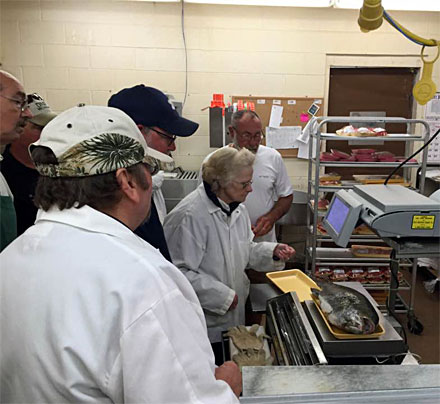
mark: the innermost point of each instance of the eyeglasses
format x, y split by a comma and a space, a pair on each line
170, 138
249, 136
244, 184
152, 165
20, 104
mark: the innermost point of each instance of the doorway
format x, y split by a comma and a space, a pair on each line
386, 90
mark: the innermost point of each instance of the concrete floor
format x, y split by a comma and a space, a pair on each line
427, 310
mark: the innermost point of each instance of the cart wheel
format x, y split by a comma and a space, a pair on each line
415, 326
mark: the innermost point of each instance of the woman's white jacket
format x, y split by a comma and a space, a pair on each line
213, 250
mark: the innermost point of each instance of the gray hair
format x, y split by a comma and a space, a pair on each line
225, 165
237, 116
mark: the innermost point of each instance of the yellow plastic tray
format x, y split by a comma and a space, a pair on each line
293, 280
341, 334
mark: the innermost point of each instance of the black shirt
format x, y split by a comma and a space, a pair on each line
22, 180
152, 232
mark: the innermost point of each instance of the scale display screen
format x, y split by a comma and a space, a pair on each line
337, 215
341, 217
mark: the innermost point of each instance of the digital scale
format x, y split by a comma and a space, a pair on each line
405, 220
391, 211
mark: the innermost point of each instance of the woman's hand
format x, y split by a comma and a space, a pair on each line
283, 251
234, 303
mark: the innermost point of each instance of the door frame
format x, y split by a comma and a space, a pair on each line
378, 61
371, 60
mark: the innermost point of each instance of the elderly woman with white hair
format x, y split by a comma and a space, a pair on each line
210, 240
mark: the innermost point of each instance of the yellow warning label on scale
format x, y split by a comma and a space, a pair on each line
423, 222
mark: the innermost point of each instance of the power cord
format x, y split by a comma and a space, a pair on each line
412, 155
182, 2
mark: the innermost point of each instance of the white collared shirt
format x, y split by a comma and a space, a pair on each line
92, 313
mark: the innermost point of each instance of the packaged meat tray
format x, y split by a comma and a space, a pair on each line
326, 156
322, 204
351, 158
368, 251
363, 151
361, 132
387, 276
339, 275
366, 158
330, 179
321, 229
378, 179
323, 273
357, 274
375, 275
340, 154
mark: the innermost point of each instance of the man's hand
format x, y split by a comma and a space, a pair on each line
283, 251
263, 225
230, 373
234, 303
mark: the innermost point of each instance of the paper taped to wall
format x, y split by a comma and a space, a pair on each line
284, 137
276, 116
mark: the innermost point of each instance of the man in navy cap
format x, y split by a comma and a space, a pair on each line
159, 122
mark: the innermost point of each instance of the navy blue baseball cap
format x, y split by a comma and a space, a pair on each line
150, 107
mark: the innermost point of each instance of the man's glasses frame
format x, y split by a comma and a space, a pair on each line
22, 105
170, 138
248, 136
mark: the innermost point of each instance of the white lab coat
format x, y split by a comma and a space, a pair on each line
213, 250
92, 313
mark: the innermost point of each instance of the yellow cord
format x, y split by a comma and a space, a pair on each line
426, 42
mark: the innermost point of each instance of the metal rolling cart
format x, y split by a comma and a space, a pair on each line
331, 256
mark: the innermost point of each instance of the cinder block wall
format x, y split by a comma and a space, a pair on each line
83, 51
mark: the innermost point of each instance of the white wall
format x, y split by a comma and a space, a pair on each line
83, 51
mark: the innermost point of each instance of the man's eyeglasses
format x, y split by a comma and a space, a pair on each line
170, 138
20, 104
244, 184
249, 136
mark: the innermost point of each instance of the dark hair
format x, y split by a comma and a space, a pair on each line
98, 191
237, 116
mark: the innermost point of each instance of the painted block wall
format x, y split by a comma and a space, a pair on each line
83, 51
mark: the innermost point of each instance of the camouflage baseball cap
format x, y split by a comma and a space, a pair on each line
91, 140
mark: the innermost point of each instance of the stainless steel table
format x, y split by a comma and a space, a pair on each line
353, 383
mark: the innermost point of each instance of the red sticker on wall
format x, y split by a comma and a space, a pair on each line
304, 118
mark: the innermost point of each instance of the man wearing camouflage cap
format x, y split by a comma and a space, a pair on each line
90, 311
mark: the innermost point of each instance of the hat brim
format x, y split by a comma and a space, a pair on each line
180, 127
159, 156
43, 119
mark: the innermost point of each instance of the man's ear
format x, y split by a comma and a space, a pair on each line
127, 184
144, 130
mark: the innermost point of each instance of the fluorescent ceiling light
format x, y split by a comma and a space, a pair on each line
280, 3
410, 5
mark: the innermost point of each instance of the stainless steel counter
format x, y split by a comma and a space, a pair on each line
269, 384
